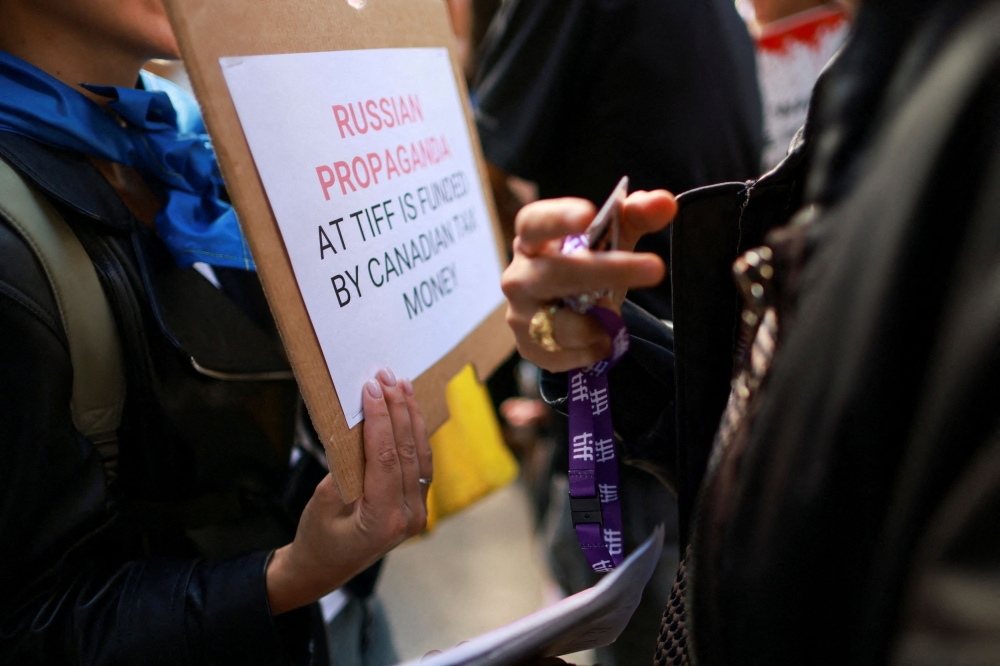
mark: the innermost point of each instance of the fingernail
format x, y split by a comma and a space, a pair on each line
407, 386
385, 374
373, 388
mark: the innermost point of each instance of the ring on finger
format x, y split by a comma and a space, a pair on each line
425, 481
542, 328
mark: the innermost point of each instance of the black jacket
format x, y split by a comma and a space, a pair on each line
575, 94
861, 524
164, 563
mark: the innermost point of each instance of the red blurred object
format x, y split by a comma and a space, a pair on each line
791, 53
808, 27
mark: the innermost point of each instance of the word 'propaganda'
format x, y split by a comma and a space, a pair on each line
363, 170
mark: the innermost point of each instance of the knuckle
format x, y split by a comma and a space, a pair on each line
419, 522
387, 458
513, 280
523, 217
508, 284
407, 449
397, 523
514, 318
325, 494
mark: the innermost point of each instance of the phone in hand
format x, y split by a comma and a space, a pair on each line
604, 233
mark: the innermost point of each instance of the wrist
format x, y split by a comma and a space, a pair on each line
274, 583
292, 582
288, 584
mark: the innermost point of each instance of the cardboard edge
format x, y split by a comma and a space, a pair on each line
486, 347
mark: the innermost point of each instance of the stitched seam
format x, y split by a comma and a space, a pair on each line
54, 286
41, 260
39, 180
120, 405
33, 308
206, 253
159, 163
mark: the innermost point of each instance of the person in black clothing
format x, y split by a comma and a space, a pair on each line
193, 541
829, 421
575, 94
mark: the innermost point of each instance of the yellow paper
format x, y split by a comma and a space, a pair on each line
470, 456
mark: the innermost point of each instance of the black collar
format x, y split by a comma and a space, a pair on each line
68, 178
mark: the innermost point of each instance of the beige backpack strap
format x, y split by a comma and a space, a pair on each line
94, 347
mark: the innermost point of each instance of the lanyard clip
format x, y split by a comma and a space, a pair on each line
586, 510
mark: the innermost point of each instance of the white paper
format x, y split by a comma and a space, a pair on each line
590, 619
332, 604
412, 267
788, 63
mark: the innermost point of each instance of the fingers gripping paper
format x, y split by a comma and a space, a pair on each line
370, 173
345, 139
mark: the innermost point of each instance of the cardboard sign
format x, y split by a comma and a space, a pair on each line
375, 188
373, 232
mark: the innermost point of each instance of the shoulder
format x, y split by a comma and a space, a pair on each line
24, 287
78, 190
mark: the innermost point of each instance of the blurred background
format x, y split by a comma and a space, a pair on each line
569, 95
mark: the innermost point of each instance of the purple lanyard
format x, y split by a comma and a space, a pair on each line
593, 465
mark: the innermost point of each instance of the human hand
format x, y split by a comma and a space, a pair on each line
540, 275
335, 541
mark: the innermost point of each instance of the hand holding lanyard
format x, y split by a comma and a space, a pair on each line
593, 465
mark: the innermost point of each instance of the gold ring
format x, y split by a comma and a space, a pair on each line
541, 328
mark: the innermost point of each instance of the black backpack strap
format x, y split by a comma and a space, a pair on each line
98, 394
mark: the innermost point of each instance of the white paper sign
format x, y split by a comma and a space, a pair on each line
366, 160
589, 619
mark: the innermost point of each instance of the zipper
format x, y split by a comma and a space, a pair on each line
277, 375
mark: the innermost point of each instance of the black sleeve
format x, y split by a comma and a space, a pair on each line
68, 593
642, 395
528, 56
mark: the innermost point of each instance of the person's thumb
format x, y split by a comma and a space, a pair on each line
645, 213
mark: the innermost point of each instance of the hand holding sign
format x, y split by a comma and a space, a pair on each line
345, 137
335, 541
